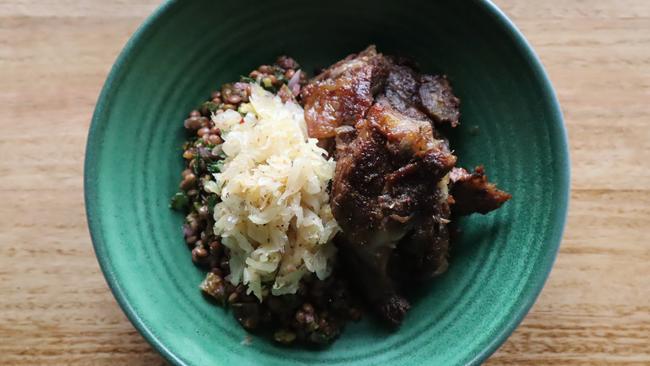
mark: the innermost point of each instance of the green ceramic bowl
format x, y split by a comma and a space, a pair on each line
511, 123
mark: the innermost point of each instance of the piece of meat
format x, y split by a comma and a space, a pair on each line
344, 136
472, 193
422, 96
410, 135
377, 116
402, 90
342, 94
438, 100
383, 189
424, 252
371, 278
369, 235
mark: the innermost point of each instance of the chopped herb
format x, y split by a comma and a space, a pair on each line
211, 202
271, 89
247, 79
196, 165
280, 76
210, 106
215, 167
197, 206
179, 201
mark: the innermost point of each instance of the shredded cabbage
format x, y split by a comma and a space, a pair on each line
274, 213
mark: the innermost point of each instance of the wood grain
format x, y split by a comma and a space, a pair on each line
55, 307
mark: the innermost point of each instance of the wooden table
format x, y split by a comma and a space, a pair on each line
56, 309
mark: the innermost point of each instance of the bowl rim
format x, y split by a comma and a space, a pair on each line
94, 142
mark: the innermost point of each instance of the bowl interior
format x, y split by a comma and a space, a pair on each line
510, 123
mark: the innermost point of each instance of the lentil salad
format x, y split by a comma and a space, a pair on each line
395, 195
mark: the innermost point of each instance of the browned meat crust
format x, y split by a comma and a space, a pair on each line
383, 190
402, 91
419, 96
438, 100
342, 94
472, 192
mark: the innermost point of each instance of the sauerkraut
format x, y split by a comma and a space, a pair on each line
274, 215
